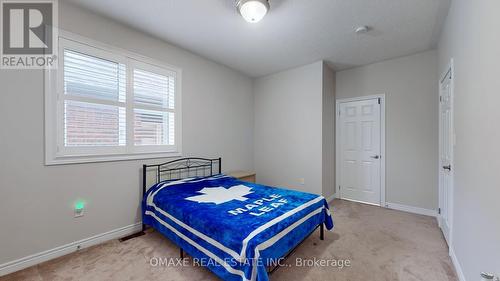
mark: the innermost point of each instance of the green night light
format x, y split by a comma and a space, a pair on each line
80, 205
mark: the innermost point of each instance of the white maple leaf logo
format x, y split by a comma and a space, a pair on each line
219, 195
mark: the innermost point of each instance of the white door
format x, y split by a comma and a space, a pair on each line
446, 142
360, 150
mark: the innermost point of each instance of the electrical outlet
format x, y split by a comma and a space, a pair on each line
302, 181
79, 212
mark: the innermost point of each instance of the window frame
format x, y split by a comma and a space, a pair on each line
55, 151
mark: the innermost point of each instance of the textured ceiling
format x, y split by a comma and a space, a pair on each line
294, 32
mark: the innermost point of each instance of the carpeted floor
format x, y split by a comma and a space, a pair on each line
380, 244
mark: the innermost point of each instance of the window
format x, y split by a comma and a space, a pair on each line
103, 104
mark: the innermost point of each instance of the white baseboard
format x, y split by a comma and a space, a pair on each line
28, 261
330, 199
411, 209
458, 268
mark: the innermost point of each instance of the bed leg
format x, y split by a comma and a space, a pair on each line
143, 227
182, 253
321, 232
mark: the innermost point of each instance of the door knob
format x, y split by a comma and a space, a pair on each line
447, 167
375, 156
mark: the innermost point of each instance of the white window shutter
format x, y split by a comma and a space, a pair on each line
154, 96
90, 84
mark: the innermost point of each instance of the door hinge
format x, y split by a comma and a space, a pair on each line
339, 187
439, 211
378, 100
440, 98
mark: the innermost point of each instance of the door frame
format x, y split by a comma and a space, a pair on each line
450, 69
382, 144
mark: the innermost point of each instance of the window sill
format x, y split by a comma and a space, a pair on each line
63, 160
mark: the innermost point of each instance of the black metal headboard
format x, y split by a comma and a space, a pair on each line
182, 168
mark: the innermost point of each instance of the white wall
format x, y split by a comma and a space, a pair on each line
328, 133
288, 124
36, 201
294, 129
410, 84
471, 37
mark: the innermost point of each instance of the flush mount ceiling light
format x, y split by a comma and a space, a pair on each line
253, 10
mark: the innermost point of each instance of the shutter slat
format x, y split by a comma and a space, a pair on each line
153, 89
93, 77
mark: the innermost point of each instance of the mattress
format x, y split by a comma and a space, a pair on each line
234, 228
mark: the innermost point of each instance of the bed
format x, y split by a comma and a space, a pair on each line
238, 230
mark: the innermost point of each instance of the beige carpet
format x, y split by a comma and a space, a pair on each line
380, 244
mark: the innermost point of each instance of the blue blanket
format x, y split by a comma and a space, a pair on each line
234, 228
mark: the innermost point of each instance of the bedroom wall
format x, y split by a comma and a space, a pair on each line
217, 121
289, 139
471, 39
287, 128
328, 134
410, 86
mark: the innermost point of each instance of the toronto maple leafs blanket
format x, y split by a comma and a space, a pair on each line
234, 228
